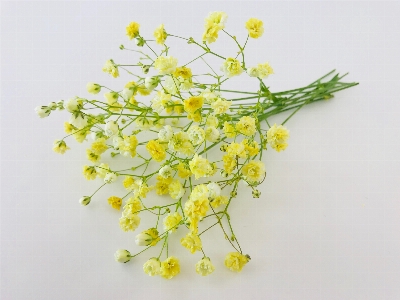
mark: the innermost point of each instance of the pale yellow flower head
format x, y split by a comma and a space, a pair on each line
60, 146
170, 267
110, 68
132, 30
115, 202
204, 267
277, 137
235, 261
200, 166
152, 267
156, 150
214, 22
192, 242
172, 221
231, 67
176, 189
89, 172
165, 64
254, 171
160, 35
246, 125
255, 28
193, 103
220, 106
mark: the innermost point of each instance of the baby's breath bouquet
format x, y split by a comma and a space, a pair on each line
184, 136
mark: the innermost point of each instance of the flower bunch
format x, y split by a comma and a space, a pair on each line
183, 136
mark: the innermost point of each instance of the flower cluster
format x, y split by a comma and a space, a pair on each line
192, 142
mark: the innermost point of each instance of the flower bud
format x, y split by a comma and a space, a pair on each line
256, 193
52, 105
151, 82
140, 41
126, 93
145, 69
147, 237
72, 104
165, 171
253, 72
85, 200
110, 177
42, 111
93, 88
122, 256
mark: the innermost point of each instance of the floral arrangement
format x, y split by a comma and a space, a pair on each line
193, 142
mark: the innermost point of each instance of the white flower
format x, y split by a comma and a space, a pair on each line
159, 101
72, 104
85, 200
151, 82
212, 134
122, 256
172, 85
253, 72
42, 111
117, 141
93, 88
126, 93
165, 134
196, 135
152, 266
165, 64
214, 190
111, 128
110, 177
165, 171
52, 105
210, 97
212, 121
78, 120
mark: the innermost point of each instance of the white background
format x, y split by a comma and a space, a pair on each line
328, 223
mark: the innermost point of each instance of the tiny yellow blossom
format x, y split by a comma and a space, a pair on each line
132, 30
178, 109
128, 183
236, 149
152, 267
80, 135
165, 64
255, 28
111, 68
229, 163
229, 130
162, 185
246, 125
148, 237
92, 156
254, 171
99, 146
195, 117
183, 72
60, 147
192, 242
172, 221
183, 172
252, 148
128, 145
69, 128
204, 267
218, 201
156, 150
115, 202
220, 106
176, 189
277, 137
89, 172
200, 166
231, 67
180, 142
170, 267
235, 261
214, 22
160, 35
193, 103
264, 70
129, 222
132, 206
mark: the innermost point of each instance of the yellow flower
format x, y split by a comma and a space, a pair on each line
200, 166
183, 72
69, 128
99, 146
143, 90
165, 64
178, 109
246, 125
255, 28
112, 101
141, 188
148, 237
204, 267
235, 261
128, 183
214, 22
197, 205
193, 103
170, 267
128, 145
236, 149
60, 147
132, 206
162, 185
183, 172
220, 106
92, 156
129, 222
115, 202
111, 68
132, 30
277, 137
80, 135
176, 189
180, 142
254, 171
218, 201
264, 70
195, 117
172, 221
152, 266
192, 242
229, 163
229, 130
89, 172
252, 148
156, 150
160, 35
102, 170
231, 67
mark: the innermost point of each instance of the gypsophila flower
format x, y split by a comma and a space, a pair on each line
160, 34
235, 261
132, 30
255, 28
85, 200
110, 68
165, 171
122, 256
170, 267
192, 242
231, 67
152, 267
165, 64
93, 88
110, 177
204, 267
